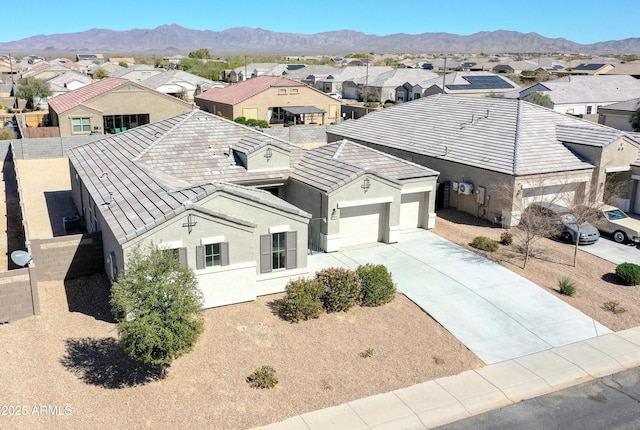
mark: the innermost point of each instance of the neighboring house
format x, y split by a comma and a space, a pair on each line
631, 68
516, 67
237, 205
478, 144
129, 61
618, 115
181, 84
344, 81
45, 71
398, 85
592, 69
94, 58
277, 100
583, 95
111, 105
137, 73
109, 68
474, 84
68, 81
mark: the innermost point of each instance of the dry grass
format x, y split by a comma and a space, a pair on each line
594, 277
71, 358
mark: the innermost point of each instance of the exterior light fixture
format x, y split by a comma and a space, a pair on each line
268, 154
334, 214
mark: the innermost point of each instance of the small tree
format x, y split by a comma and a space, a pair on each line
100, 74
540, 99
33, 90
158, 307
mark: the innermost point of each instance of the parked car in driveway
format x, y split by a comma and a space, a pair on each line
618, 224
567, 223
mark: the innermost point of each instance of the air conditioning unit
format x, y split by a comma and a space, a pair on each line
465, 188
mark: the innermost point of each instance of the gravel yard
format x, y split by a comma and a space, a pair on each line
68, 361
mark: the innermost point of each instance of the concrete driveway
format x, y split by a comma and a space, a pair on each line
496, 313
606, 248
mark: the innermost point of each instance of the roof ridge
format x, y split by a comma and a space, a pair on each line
187, 115
517, 142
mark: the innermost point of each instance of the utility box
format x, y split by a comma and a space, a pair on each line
481, 195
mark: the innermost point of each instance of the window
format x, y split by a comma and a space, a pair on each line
179, 254
212, 254
282, 91
294, 91
588, 110
81, 125
278, 251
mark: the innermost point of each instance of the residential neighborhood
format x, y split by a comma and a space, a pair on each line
254, 179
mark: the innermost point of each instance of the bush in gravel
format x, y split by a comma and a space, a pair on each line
506, 238
264, 377
613, 307
377, 285
303, 300
567, 286
341, 288
485, 244
628, 273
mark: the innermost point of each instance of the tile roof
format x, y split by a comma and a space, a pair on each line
244, 90
592, 88
65, 102
502, 135
175, 76
145, 176
334, 165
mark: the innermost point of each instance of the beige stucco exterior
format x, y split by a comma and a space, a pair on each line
129, 99
261, 105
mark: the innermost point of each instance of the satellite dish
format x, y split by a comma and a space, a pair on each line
21, 258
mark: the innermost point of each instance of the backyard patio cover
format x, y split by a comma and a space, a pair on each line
299, 110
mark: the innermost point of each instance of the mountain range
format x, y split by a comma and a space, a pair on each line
167, 39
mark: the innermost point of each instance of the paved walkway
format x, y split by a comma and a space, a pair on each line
533, 342
496, 313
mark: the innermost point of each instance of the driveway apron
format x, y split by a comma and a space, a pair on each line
494, 312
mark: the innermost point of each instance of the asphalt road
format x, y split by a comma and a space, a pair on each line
611, 403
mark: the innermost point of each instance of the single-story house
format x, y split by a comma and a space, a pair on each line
238, 206
479, 143
618, 115
111, 105
275, 99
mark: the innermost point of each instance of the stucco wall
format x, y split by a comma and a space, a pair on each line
18, 294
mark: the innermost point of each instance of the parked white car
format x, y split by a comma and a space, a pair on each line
618, 224
335, 96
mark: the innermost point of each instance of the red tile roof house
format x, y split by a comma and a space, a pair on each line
275, 99
111, 105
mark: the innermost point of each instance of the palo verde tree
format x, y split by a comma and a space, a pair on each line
157, 306
33, 90
540, 99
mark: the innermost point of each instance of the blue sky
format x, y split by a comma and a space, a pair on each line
587, 21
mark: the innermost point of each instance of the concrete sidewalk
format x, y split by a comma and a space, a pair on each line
444, 400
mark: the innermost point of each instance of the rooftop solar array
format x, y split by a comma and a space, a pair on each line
481, 83
589, 67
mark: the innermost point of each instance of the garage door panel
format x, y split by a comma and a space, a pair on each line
411, 210
361, 224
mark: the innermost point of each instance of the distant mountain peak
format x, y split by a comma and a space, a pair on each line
251, 41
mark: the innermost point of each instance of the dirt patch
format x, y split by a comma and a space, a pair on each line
70, 360
594, 277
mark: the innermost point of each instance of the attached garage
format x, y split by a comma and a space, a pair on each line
361, 224
411, 210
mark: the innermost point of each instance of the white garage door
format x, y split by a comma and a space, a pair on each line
361, 224
411, 207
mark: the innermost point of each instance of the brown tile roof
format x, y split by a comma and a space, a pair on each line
65, 102
242, 91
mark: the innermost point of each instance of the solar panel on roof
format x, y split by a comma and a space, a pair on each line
481, 83
589, 67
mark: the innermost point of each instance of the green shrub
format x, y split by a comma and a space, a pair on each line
303, 300
257, 123
506, 238
567, 286
628, 273
485, 244
240, 120
264, 377
377, 287
341, 288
